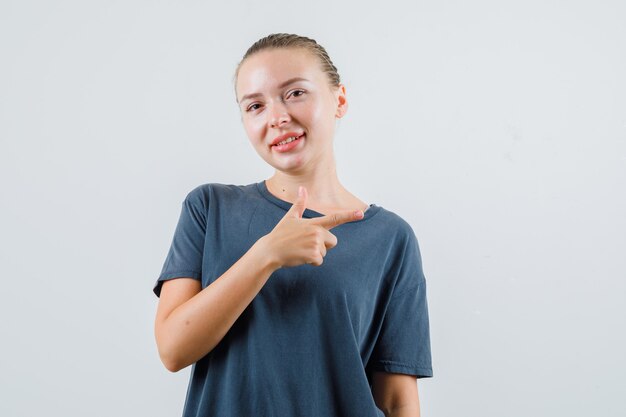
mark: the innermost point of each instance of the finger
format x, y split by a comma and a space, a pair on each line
298, 207
333, 220
330, 240
318, 261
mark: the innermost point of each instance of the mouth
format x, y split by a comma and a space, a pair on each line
288, 143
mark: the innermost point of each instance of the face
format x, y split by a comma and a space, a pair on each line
284, 93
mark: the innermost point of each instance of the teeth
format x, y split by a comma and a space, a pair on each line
291, 139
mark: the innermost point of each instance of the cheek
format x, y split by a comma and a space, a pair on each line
321, 116
254, 128
324, 109
308, 115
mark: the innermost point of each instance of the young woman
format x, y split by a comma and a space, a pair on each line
291, 296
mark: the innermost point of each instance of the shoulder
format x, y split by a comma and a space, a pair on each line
404, 257
400, 239
198, 198
211, 192
397, 230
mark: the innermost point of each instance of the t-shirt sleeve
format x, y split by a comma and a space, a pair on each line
403, 344
184, 258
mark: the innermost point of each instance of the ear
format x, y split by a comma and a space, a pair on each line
341, 100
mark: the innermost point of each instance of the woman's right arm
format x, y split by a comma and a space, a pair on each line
191, 321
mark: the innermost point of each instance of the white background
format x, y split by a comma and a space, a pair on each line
496, 129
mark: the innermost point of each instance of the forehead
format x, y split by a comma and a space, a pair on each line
267, 69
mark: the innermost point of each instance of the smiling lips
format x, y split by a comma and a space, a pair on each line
286, 136
287, 142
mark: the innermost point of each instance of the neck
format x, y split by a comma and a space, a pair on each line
323, 187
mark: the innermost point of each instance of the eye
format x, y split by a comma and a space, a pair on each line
251, 107
295, 93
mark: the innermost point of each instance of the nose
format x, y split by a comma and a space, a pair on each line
278, 115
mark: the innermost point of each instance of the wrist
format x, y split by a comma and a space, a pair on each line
265, 255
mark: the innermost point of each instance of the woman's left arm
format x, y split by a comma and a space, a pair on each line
396, 394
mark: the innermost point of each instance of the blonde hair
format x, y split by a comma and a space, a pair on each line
288, 40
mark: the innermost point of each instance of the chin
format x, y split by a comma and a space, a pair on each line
292, 165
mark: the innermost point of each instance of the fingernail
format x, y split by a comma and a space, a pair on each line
358, 213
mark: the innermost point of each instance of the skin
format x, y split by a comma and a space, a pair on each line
190, 320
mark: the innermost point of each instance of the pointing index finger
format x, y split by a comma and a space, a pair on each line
333, 220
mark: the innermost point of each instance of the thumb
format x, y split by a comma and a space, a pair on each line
299, 205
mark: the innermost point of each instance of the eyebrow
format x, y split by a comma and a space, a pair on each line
284, 84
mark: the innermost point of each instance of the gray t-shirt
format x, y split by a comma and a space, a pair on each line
308, 342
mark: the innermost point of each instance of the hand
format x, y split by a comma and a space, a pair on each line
295, 240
